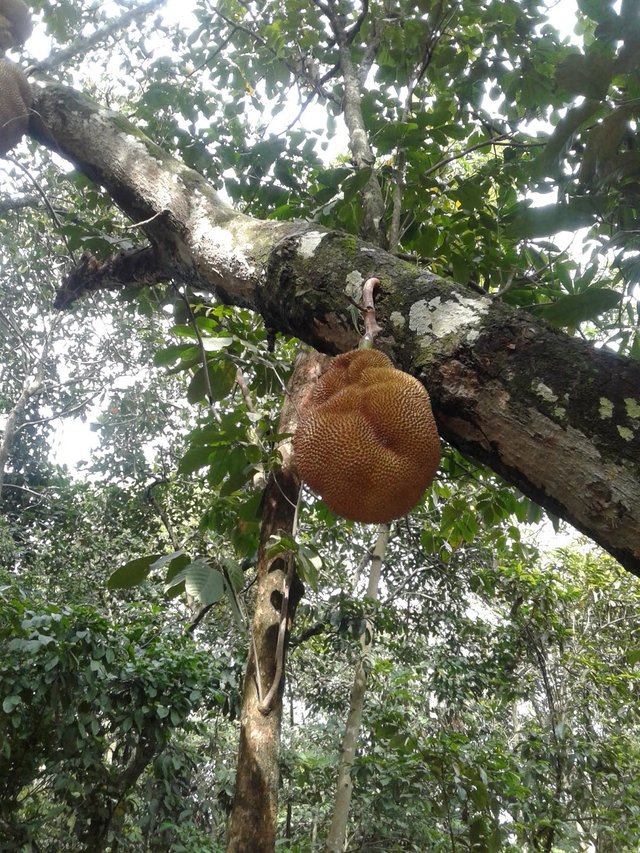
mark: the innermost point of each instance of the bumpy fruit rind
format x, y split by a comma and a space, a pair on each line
366, 439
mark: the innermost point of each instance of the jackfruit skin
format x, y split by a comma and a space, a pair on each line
366, 439
15, 102
15, 23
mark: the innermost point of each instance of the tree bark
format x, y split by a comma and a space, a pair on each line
554, 416
373, 224
253, 820
31, 388
344, 786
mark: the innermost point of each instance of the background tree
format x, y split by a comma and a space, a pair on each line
438, 103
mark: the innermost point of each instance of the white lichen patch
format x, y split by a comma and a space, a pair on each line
420, 317
478, 305
353, 287
632, 407
560, 412
606, 408
544, 392
397, 320
440, 317
217, 248
222, 237
309, 242
625, 433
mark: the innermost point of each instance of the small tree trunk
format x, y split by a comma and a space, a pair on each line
252, 824
30, 389
338, 829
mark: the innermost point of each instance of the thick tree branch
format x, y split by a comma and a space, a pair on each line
344, 787
134, 268
373, 220
554, 416
373, 225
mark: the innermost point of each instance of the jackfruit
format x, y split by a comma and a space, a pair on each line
366, 439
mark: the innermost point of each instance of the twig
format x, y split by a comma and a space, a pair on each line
62, 57
47, 203
149, 491
446, 160
199, 617
203, 352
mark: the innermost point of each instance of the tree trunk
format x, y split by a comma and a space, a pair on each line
344, 787
30, 389
253, 820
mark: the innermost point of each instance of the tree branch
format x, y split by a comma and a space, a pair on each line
554, 416
62, 57
136, 267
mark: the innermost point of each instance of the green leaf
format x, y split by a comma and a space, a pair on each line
235, 575
166, 558
232, 598
195, 458
531, 222
308, 560
588, 75
249, 510
52, 663
354, 184
132, 573
203, 582
216, 344
238, 465
578, 307
177, 565
632, 656
280, 544
185, 331
309, 564
598, 10
470, 196
222, 377
460, 268
172, 353
10, 702
174, 585
332, 178
427, 240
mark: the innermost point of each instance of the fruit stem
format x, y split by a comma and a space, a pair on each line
371, 327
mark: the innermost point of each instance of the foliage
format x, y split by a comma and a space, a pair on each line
501, 714
450, 106
93, 727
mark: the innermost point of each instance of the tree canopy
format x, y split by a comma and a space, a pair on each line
198, 192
